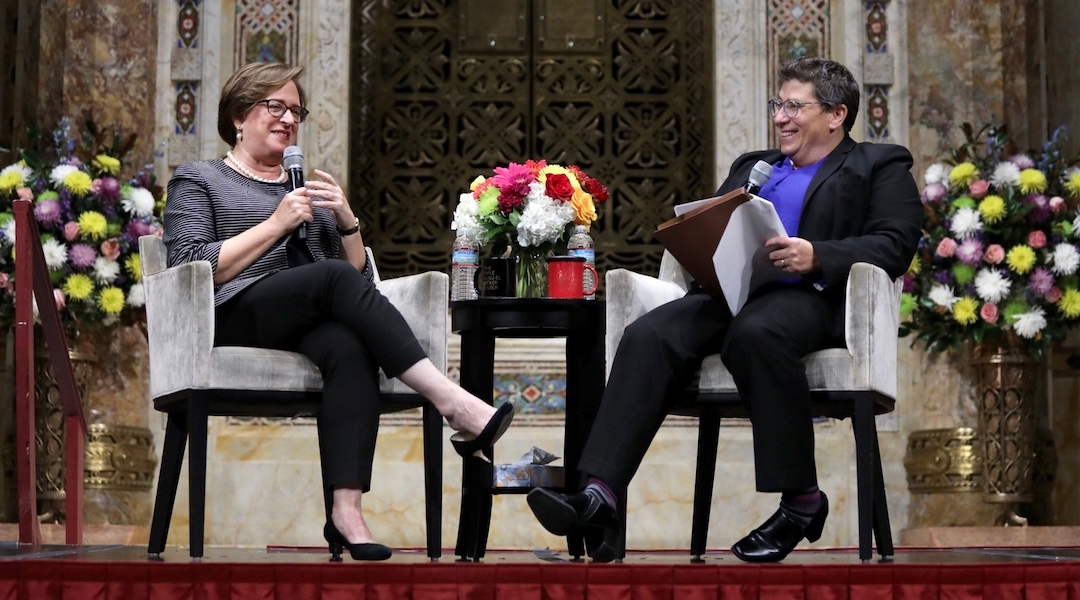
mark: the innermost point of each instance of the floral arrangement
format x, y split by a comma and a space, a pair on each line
999, 258
90, 221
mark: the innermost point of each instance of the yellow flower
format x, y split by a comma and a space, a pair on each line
1020, 259
1032, 181
111, 300
107, 164
963, 174
78, 182
1069, 304
916, 265
475, 182
78, 287
559, 170
9, 180
134, 267
965, 311
584, 208
1072, 183
992, 209
93, 225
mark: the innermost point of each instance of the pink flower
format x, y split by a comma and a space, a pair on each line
1037, 239
4, 283
1053, 295
71, 230
934, 192
994, 254
25, 193
108, 188
989, 312
58, 296
979, 188
1056, 204
110, 248
946, 248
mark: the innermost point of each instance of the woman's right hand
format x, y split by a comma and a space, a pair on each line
294, 209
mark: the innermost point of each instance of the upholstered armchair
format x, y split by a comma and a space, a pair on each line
190, 379
858, 381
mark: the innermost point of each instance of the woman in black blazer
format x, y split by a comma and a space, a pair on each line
848, 202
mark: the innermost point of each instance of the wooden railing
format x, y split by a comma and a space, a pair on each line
32, 279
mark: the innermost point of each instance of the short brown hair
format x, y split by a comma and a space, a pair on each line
249, 84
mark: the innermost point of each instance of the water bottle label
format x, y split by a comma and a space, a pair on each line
466, 257
589, 254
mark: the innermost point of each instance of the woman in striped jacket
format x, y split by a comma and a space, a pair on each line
310, 293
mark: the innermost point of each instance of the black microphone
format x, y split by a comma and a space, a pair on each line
759, 175
293, 161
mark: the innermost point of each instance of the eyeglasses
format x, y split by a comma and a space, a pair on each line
277, 109
791, 107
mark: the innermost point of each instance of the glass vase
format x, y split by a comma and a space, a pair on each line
531, 272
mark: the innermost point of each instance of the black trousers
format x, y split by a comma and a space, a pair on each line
763, 348
332, 314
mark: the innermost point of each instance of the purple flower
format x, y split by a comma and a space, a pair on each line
970, 251
1041, 281
909, 283
82, 256
136, 229
47, 212
1040, 209
943, 276
1022, 161
107, 188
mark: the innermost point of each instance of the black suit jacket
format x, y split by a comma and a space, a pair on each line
861, 206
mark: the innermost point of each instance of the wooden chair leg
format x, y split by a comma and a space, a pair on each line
197, 425
705, 475
433, 456
172, 459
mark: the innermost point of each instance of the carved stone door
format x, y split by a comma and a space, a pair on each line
445, 90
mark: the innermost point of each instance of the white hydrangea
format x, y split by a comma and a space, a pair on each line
544, 219
138, 201
942, 295
106, 270
25, 173
965, 223
937, 173
60, 173
1029, 324
991, 286
1064, 259
1006, 175
467, 213
8, 232
56, 254
136, 296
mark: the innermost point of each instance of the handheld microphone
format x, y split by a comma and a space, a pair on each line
759, 175
293, 161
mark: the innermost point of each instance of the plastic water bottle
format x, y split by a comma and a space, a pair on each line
581, 244
463, 264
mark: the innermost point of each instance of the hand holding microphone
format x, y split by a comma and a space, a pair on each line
293, 161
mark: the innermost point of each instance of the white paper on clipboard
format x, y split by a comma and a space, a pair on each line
741, 260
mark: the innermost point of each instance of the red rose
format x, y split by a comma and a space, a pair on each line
558, 187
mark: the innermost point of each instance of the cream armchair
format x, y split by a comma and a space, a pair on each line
858, 381
190, 379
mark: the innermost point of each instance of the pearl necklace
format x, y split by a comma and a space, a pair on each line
246, 173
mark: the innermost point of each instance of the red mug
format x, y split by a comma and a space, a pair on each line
566, 277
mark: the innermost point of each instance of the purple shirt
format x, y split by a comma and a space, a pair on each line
786, 189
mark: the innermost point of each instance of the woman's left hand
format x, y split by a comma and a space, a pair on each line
792, 254
326, 193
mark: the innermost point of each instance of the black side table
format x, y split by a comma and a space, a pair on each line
480, 322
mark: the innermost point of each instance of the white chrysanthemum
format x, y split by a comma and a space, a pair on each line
60, 172
543, 219
136, 296
1006, 175
1076, 226
138, 201
56, 254
942, 295
991, 286
25, 173
1029, 324
1064, 259
8, 232
965, 223
937, 173
105, 270
466, 214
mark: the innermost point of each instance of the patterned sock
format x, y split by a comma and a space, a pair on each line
806, 502
601, 487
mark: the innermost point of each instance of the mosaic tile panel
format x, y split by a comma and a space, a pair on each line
187, 24
267, 31
877, 81
795, 28
187, 95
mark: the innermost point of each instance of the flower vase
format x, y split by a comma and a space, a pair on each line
531, 272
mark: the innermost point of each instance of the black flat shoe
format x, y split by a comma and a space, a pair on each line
778, 536
366, 551
494, 430
561, 514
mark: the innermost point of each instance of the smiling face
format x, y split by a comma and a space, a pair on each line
814, 132
265, 136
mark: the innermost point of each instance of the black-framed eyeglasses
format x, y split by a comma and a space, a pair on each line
791, 107
277, 109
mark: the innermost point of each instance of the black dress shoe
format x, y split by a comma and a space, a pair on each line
779, 535
582, 511
496, 426
365, 551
